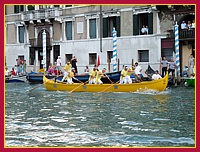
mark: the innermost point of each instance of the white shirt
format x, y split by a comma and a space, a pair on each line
138, 69
7, 72
58, 62
156, 76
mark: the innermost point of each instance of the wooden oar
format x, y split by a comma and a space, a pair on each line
43, 83
78, 86
109, 86
108, 78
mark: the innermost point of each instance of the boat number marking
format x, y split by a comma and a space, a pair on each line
55, 85
84, 87
115, 87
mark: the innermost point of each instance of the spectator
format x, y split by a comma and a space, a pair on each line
73, 61
156, 75
164, 65
87, 70
58, 63
183, 25
185, 71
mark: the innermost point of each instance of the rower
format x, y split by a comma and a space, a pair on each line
100, 74
67, 69
128, 74
93, 74
123, 75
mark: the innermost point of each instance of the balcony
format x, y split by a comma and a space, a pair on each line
183, 34
37, 42
41, 14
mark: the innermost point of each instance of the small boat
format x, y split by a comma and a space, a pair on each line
158, 85
11, 79
190, 82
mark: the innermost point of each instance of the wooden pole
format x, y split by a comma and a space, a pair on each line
118, 63
132, 62
108, 65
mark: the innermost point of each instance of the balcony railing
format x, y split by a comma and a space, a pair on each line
183, 34
37, 42
41, 14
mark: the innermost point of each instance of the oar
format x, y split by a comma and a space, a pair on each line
43, 83
108, 78
109, 86
77, 80
78, 86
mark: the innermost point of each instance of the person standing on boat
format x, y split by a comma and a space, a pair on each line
164, 65
172, 66
128, 74
156, 75
73, 61
123, 75
138, 70
58, 63
67, 69
93, 74
100, 74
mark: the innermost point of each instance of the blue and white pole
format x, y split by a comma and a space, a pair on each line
44, 49
177, 50
114, 58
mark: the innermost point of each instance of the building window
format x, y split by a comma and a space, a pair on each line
21, 34
92, 28
18, 8
56, 5
31, 7
143, 55
68, 30
109, 23
109, 56
31, 56
92, 58
56, 52
68, 58
139, 20
68, 5
167, 52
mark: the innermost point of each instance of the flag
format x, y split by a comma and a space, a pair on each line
98, 61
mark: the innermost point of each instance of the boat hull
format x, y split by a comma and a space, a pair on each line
14, 79
190, 82
158, 85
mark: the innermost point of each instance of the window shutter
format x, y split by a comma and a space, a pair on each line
105, 27
16, 8
135, 25
118, 26
69, 30
92, 28
150, 23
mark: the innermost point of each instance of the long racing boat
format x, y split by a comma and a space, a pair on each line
158, 85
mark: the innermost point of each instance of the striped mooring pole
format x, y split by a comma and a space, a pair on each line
44, 49
114, 57
177, 51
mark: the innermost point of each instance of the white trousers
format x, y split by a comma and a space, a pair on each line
92, 81
65, 75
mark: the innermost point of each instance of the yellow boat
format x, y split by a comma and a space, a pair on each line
158, 85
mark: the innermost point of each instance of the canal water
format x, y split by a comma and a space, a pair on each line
45, 119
